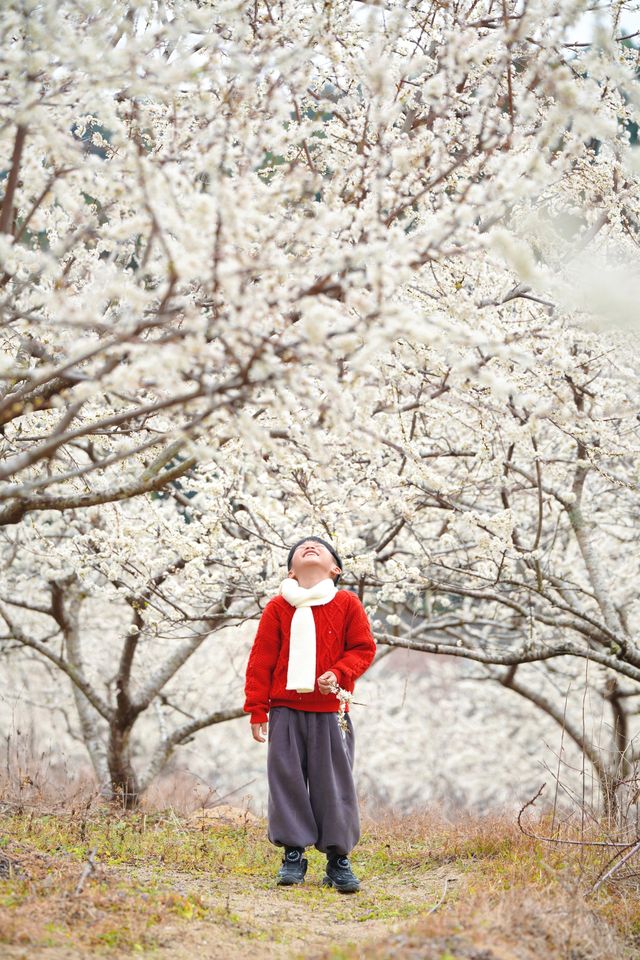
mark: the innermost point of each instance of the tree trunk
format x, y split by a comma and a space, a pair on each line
124, 780
621, 764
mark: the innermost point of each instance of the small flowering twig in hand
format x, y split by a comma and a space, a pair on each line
344, 697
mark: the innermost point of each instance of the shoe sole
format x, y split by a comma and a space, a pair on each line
289, 881
345, 888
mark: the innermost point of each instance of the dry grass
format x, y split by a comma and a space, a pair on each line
524, 899
29, 782
53, 896
513, 897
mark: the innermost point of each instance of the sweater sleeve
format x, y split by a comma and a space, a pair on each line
261, 663
359, 648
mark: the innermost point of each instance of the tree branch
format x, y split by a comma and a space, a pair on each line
14, 512
166, 748
6, 211
72, 672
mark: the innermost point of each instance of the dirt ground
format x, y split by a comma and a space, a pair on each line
246, 920
204, 888
288, 926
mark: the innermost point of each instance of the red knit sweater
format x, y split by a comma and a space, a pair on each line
344, 644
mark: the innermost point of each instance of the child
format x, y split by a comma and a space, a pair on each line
310, 638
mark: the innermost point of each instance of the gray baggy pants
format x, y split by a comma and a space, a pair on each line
312, 796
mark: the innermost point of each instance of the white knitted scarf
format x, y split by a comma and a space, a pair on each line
301, 674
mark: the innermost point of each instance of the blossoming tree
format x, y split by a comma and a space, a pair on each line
318, 264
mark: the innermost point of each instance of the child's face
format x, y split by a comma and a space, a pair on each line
312, 556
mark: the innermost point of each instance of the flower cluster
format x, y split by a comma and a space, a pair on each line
344, 697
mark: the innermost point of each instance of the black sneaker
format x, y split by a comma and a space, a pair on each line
340, 875
293, 869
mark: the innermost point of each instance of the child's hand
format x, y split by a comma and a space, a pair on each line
259, 731
327, 682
